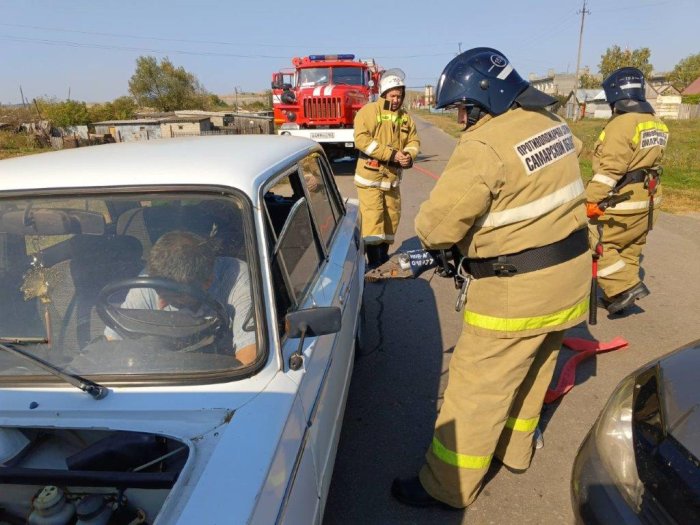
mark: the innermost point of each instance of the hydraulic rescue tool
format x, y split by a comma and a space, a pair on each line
606, 203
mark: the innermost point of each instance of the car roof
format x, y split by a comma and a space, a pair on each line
241, 161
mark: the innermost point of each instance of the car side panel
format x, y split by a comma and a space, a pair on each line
348, 261
290, 494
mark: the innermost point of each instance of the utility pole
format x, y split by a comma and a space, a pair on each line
459, 45
583, 12
236, 89
21, 93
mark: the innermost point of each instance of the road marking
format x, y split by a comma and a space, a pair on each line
426, 172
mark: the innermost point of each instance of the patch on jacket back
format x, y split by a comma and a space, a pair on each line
546, 147
653, 137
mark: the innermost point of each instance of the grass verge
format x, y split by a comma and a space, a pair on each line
18, 144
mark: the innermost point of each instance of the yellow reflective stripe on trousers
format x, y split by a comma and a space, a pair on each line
459, 460
518, 324
644, 126
522, 425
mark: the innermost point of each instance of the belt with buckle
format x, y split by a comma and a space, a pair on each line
532, 259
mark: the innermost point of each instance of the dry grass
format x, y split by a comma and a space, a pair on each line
681, 178
18, 144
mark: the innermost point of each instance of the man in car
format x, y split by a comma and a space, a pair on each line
188, 258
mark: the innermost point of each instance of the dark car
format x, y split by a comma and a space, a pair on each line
640, 463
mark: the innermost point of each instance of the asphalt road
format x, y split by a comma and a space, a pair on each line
401, 372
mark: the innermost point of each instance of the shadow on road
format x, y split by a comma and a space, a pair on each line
391, 405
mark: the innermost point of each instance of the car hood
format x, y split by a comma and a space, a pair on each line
681, 396
216, 423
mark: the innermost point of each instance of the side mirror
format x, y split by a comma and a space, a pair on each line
312, 322
277, 81
370, 83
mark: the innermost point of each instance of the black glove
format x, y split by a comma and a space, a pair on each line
444, 267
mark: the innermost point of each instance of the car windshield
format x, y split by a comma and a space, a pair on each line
314, 76
353, 76
150, 284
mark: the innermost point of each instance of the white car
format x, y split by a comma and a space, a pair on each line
132, 394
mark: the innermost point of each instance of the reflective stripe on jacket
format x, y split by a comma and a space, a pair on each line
630, 141
513, 183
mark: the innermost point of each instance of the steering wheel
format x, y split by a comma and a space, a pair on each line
178, 326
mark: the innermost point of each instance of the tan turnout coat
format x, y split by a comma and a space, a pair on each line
513, 183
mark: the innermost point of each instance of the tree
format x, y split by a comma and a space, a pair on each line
121, 108
588, 81
64, 114
615, 58
211, 102
164, 86
685, 72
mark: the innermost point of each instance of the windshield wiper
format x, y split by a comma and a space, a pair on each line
9, 345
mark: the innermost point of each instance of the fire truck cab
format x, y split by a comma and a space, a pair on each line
320, 96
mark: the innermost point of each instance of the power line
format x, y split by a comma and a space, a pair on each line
113, 47
208, 42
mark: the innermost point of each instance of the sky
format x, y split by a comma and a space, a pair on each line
88, 49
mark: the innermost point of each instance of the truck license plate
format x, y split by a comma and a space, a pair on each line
322, 135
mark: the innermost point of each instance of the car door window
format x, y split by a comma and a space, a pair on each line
295, 252
319, 197
296, 249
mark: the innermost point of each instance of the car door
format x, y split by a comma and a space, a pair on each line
329, 367
296, 260
315, 264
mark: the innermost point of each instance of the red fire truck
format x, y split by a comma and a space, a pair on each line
319, 97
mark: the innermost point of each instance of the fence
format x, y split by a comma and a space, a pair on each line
75, 141
252, 125
688, 111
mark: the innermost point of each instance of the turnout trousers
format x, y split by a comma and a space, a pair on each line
381, 211
624, 236
491, 407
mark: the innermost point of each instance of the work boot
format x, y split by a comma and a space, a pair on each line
628, 297
383, 253
539, 438
410, 491
602, 302
373, 256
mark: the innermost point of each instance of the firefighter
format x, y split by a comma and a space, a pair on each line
386, 138
511, 199
626, 158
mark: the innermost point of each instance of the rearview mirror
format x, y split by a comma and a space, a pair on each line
313, 322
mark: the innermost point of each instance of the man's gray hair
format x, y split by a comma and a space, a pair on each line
183, 257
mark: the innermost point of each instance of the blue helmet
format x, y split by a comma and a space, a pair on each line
624, 91
482, 77
626, 83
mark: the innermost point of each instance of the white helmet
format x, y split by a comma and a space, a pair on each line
391, 78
